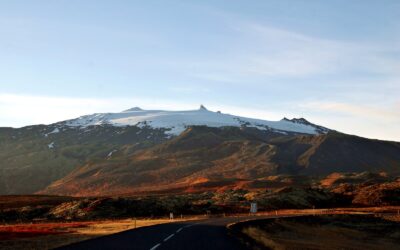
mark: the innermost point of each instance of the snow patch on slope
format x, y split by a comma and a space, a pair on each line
111, 153
55, 131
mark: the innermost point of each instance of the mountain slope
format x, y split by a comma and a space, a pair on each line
33, 157
211, 158
182, 151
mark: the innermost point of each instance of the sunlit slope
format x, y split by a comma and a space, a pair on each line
204, 158
32, 157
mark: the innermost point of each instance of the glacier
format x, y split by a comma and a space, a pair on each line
175, 122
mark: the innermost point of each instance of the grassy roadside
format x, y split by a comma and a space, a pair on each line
50, 235
47, 235
327, 231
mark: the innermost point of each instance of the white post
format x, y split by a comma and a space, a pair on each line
253, 208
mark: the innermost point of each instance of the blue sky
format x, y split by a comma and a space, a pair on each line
335, 63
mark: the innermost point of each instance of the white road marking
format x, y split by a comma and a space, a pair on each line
155, 246
169, 237
172, 235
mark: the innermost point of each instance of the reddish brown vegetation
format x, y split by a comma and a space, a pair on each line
8, 232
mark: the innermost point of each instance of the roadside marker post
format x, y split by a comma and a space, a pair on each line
253, 208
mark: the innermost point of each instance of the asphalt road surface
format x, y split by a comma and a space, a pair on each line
206, 234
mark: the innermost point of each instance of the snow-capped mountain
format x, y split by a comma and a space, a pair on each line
145, 151
175, 122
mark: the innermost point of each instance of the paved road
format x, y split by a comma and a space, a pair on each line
206, 234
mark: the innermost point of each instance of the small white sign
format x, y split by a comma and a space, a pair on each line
253, 207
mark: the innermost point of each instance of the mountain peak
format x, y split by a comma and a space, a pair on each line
302, 121
203, 108
133, 109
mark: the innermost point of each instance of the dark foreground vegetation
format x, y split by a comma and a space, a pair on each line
351, 193
321, 232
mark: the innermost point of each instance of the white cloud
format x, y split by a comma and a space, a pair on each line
264, 51
379, 121
391, 114
18, 110
189, 89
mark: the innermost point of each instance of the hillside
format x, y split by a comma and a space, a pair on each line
139, 151
33, 157
204, 158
